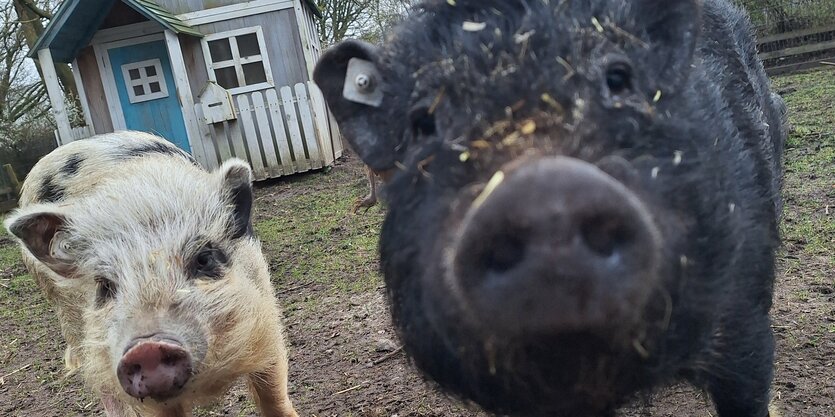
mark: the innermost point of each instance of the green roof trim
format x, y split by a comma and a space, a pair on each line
164, 17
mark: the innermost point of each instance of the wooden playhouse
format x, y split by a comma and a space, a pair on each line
219, 78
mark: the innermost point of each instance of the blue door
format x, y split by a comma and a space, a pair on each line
147, 92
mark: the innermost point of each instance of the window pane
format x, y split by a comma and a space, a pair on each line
220, 50
134, 74
150, 71
138, 90
254, 73
227, 78
155, 88
248, 45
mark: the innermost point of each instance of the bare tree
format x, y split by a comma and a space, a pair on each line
387, 14
343, 19
363, 19
23, 97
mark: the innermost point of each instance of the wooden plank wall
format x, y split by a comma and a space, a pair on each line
324, 120
281, 36
186, 6
94, 90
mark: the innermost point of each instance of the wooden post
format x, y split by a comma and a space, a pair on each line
180, 72
56, 96
12, 177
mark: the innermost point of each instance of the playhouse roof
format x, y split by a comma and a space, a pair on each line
74, 24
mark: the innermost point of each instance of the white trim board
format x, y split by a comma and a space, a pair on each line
114, 107
56, 96
183, 87
219, 14
309, 60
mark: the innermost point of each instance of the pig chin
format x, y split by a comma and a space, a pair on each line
558, 247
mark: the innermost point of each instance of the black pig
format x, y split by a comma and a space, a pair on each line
583, 201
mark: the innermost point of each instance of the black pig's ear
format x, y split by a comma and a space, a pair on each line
673, 27
352, 85
237, 186
44, 235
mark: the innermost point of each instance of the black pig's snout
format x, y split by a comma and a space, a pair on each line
557, 246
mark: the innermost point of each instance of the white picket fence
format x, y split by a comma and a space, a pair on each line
76, 133
278, 131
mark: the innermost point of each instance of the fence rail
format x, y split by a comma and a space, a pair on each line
793, 34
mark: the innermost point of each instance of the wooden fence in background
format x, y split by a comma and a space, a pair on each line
9, 188
793, 34
798, 50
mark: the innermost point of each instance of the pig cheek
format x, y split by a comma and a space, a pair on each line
101, 348
441, 302
222, 313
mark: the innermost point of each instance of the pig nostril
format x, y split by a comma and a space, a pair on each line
171, 360
605, 235
504, 254
134, 369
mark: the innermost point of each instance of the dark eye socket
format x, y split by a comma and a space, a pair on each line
619, 78
105, 291
208, 262
423, 122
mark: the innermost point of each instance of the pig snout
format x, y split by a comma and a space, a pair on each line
156, 366
557, 246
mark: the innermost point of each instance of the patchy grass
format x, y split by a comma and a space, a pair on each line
312, 237
9, 255
325, 268
809, 191
803, 306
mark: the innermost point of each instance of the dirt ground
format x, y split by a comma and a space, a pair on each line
344, 353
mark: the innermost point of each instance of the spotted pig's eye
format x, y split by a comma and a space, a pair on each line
105, 291
208, 262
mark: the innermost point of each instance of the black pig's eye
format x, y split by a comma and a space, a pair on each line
619, 78
105, 291
208, 262
423, 122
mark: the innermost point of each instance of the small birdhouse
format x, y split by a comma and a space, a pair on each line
217, 104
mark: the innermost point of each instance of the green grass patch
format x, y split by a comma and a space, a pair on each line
809, 190
9, 256
312, 236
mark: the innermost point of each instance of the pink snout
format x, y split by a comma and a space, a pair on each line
154, 367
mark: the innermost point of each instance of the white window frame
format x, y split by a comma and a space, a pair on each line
145, 80
237, 61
